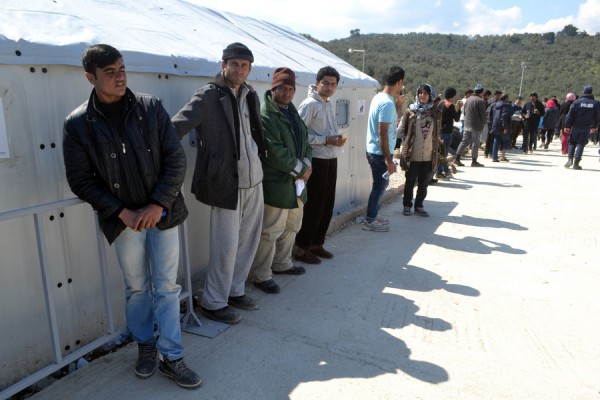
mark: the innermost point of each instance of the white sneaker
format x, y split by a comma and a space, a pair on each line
382, 221
375, 226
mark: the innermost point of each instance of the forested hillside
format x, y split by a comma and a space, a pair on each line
555, 63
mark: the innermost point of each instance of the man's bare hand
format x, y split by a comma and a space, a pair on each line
307, 174
391, 165
337, 140
142, 219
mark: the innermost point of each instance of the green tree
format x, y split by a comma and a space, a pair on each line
570, 30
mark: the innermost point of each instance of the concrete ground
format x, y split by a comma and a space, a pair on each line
494, 296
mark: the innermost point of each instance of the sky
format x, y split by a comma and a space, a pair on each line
330, 20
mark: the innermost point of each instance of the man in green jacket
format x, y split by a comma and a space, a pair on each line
286, 167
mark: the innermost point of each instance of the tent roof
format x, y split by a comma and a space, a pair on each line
174, 37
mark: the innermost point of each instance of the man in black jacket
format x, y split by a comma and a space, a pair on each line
122, 156
228, 177
532, 111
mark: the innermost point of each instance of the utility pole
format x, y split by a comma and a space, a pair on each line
363, 57
522, 73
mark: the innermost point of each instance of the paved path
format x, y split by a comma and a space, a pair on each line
495, 296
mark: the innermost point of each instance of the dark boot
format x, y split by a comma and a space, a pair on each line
569, 162
576, 165
457, 161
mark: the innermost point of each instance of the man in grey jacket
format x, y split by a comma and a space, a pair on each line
326, 142
228, 178
475, 118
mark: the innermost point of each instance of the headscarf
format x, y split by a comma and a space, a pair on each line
417, 106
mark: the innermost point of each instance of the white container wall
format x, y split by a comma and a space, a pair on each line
170, 50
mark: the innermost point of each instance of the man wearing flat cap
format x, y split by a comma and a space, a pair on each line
287, 167
583, 118
228, 178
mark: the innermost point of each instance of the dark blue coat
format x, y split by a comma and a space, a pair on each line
501, 117
584, 113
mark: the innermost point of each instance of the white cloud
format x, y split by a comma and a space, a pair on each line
480, 19
468, 17
587, 19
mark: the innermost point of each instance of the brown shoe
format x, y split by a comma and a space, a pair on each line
319, 251
307, 257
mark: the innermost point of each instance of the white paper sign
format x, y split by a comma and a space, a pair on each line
362, 106
3, 134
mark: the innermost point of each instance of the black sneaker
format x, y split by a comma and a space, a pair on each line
225, 315
180, 373
460, 164
146, 362
243, 302
291, 271
476, 164
268, 286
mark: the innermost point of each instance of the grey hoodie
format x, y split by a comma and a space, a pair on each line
319, 118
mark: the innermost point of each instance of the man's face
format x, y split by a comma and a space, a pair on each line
110, 82
283, 94
533, 99
327, 86
236, 70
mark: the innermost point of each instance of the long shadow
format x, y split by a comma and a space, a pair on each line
470, 244
505, 185
369, 291
510, 168
484, 222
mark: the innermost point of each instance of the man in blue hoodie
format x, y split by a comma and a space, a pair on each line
583, 118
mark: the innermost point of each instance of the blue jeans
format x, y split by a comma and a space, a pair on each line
501, 141
378, 168
149, 261
577, 140
447, 139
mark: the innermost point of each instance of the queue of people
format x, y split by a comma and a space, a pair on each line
267, 171
255, 165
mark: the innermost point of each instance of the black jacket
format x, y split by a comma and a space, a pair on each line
97, 171
533, 121
213, 113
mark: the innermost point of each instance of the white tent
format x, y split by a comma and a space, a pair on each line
174, 37
170, 47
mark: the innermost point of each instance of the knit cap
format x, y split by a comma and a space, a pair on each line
237, 50
587, 89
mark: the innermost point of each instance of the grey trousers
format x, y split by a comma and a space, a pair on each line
280, 226
469, 138
234, 236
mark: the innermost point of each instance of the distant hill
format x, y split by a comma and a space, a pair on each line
555, 63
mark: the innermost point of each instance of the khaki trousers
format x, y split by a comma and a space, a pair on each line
274, 253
